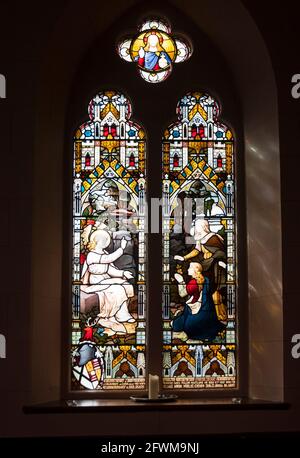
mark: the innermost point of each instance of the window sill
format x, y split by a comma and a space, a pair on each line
127, 405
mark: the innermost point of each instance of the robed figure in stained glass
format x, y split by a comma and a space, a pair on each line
101, 276
199, 318
155, 49
209, 246
152, 56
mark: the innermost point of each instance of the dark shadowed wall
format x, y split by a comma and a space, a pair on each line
37, 48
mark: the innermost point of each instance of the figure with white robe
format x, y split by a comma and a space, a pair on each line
101, 276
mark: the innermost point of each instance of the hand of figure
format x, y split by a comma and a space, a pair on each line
179, 258
179, 278
141, 53
128, 275
123, 243
163, 62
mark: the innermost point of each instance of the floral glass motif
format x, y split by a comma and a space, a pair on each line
199, 267
109, 253
155, 50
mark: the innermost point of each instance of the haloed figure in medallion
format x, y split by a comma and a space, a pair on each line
199, 319
152, 56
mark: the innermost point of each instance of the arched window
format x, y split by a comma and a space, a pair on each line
199, 267
108, 349
109, 256
256, 126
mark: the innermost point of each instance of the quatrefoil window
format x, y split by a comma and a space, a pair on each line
154, 50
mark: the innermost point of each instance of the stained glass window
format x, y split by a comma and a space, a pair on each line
154, 50
109, 252
199, 267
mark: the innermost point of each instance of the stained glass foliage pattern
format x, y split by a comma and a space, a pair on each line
109, 254
199, 267
154, 50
